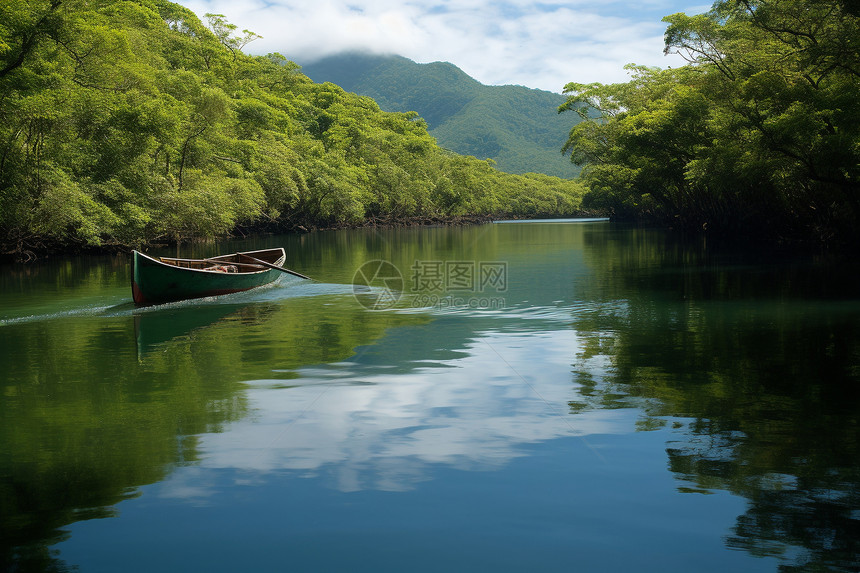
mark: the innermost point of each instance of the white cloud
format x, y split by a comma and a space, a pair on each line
537, 44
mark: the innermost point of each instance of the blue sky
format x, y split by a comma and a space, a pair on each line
537, 44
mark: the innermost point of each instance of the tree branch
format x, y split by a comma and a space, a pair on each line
28, 42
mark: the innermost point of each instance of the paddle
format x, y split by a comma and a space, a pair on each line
271, 266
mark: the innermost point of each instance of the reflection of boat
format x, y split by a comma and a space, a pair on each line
163, 279
152, 328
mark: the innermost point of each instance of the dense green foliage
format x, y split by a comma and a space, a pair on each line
515, 126
758, 135
128, 122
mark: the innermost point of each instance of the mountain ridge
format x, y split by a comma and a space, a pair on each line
517, 127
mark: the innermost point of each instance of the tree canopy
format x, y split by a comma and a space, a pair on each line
758, 136
129, 122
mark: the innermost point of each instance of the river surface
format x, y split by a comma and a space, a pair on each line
499, 398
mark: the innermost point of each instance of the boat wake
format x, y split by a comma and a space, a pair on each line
85, 311
119, 306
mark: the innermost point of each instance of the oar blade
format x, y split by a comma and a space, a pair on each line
271, 266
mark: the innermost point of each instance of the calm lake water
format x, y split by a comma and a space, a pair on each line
499, 398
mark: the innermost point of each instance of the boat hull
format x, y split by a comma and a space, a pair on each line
154, 282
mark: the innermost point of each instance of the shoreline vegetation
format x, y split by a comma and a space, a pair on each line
427, 220
756, 139
127, 124
264, 229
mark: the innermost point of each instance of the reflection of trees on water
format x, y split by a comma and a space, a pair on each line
809, 520
802, 510
757, 366
83, 429
92, 409
818, 520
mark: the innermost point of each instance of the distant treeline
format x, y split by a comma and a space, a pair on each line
758, 137
124, 123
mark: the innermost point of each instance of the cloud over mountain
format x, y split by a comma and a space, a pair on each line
538, 44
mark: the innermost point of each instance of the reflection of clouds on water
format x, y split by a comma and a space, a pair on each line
192, 483
368, 427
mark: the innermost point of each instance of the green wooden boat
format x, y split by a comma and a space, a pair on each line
164, 279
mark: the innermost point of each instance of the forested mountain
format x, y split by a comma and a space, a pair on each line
519, 128
758, 137
129, 122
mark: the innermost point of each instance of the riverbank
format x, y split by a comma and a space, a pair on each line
41, 248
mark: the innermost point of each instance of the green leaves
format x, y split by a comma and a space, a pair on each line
123, 123
758, 135
224, 30
24, 25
